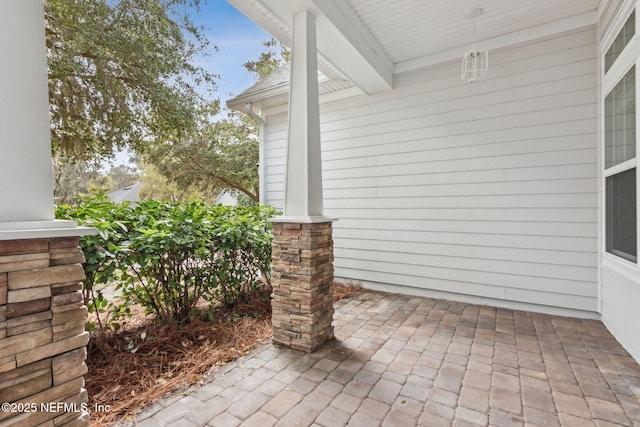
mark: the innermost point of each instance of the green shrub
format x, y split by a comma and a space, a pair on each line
168, 256
102, 251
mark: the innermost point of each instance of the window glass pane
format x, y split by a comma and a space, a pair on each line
623, 37
621, 215
620, 121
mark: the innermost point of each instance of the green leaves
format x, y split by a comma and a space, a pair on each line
270, 60
218, 155
169, 257
122, 74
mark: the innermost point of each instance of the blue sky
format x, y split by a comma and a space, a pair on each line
238, 40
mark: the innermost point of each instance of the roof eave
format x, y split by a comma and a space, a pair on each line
238, 102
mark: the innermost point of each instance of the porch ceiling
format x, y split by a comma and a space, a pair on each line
367, 42
411, 29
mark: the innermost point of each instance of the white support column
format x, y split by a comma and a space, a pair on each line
26, 182
302, 249
303, 191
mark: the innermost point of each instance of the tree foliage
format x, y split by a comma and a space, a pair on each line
122, 74
156, 186
77, 180
275, 56
218, 155
221, 154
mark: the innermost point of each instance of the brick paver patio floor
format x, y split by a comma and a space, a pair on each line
404, 361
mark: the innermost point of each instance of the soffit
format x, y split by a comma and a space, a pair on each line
410, 29
409, 34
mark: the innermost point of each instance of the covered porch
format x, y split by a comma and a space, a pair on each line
397, 359
411, 361
518, 191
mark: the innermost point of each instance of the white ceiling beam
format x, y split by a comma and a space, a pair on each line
347, 43
343, 39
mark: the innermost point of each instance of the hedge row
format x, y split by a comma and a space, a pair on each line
170, 257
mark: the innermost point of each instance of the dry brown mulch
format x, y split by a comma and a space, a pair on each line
344, 290
140, 363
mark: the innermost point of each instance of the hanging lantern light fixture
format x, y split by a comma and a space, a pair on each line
475, 63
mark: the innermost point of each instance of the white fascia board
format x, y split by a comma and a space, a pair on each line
540, 31
239, 102
329, 97
342, 38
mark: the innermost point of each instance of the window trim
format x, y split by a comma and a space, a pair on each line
620, 167
616, 23
628, 58
621, 67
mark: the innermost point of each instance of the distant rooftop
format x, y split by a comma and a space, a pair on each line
126, 194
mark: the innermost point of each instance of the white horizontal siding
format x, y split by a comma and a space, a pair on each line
486, 189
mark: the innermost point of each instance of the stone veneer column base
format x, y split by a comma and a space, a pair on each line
42, 336
302, 279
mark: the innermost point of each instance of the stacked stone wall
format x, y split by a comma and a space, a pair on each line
302, 279
42, 336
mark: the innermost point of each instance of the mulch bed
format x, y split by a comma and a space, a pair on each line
143, 361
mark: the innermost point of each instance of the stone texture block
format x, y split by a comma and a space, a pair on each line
9, 259
66, 255
52, 349
72, 316
28, 294
31, 318
28, 327
67, 330
8, 379
66, 299
27, 387
7, 363
67, 307
68, 366
62, 288
66, 258
64, 242
73, 420
24, 265
22, 382
72, 417
29, 341
8, 247
27, 307
45, 276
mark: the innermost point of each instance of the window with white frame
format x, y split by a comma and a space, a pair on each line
620, 147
